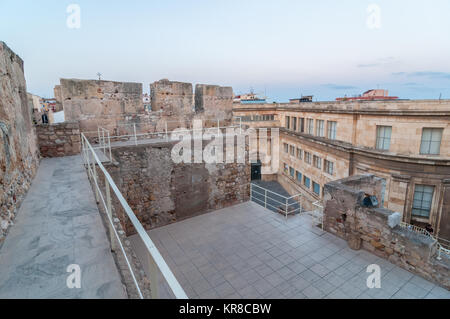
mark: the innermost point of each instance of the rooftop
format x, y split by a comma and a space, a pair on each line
247, 251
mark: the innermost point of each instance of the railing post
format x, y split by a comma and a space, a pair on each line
109, 145
135, 136
104, 143
94, 170
251, 192
286, 208
167, 134
109, 212
265, 199
153, 274
218, 127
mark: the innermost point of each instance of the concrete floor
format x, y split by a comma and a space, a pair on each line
58, 224
246, 251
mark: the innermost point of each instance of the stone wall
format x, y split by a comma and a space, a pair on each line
214, 102
19, 156
368, 228
161, 192
58, 140
100, 103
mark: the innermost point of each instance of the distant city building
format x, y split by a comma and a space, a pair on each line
147, 102
303, 99
249, 98
371, 95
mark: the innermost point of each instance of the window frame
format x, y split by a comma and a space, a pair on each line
421, 207
380, 141
422, 141
314, 184
320, 124
331, 130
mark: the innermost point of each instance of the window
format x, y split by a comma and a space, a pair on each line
384, 137
329, 167
286, 168
423, 197
307, 182
331, 126
288, 122
294, 123
308, 157
291, 172
316, 188
319, 128
431, 141
286, 148
301, 125
310, 126
299, 176
292, 148
317, 162
299, 153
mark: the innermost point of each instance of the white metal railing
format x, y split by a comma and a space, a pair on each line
317, 214
104, 141
156, 261
105, 138
422, 231
274, 201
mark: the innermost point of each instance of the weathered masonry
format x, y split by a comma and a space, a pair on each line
58, 140
379, 231
118, 106
161, 192
19, 155
404, 142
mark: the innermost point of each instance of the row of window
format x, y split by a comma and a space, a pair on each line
331, 129
430, 143
315, 160
258, 118
302, 179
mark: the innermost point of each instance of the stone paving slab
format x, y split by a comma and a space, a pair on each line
57, 225
246, 251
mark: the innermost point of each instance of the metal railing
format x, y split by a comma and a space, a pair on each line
104, 141
317, 214
424, 232
156, 261
274, 201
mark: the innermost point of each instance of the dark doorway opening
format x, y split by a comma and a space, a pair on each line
256, 171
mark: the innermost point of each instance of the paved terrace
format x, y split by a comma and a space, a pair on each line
246, 251
58, 224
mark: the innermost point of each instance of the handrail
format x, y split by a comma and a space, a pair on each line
285, 206
154, 254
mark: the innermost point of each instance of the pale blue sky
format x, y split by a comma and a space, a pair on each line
284, 48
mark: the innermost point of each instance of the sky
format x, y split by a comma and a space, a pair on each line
282, 49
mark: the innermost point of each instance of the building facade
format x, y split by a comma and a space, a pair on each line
404, 142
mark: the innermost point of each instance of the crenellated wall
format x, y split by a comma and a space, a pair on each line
19, 156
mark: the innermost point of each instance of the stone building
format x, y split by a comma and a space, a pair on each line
404, 142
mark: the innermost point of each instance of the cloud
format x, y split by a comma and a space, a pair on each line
426, 74
339, 87
379, 62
